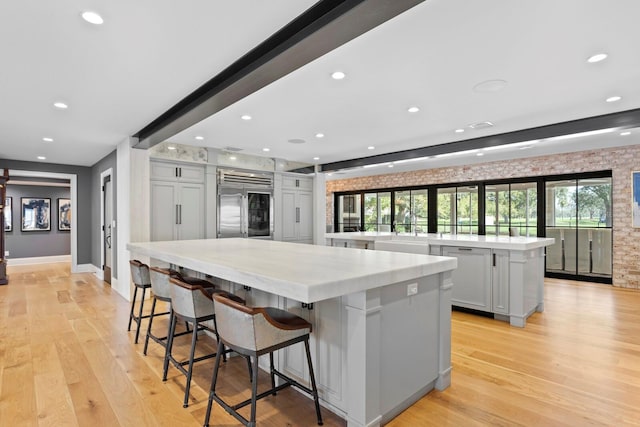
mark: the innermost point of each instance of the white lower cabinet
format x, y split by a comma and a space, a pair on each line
472, 278
481, 281
359, 244
327, 341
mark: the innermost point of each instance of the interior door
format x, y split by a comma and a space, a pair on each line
108, 221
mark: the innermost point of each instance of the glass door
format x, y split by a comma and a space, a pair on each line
258, 214
578, 217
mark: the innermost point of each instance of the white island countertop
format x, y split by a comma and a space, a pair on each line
305, 273
519, 243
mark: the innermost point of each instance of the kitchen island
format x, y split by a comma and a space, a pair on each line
500, 275
382, 320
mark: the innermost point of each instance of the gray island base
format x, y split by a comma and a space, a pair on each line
501, 275
381, 320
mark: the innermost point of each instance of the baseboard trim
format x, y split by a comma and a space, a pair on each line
39, 260
86, 268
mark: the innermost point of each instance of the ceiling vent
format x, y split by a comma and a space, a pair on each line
241, 179
481, 125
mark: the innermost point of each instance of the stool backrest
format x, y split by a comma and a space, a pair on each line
190, 300
139, 272
235, 323
253, 328
160, 281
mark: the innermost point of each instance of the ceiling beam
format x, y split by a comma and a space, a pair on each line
325, 26
620, 120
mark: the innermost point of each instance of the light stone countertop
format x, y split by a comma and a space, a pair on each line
306, 273
519, 243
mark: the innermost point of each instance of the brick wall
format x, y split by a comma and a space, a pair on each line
622, 161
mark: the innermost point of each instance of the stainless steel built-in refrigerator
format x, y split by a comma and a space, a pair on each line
245, 205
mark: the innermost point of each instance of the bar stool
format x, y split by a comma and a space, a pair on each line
141, 280
253, 332
192, 302
160, 287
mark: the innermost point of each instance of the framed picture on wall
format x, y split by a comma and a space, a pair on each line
8, 214
64, 214
635, 199
36, 214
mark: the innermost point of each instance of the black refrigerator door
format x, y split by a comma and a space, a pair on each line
259, 214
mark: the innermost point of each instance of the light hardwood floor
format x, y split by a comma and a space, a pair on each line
66, 359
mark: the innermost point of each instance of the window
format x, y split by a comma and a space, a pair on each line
349, 212
511, 209
377, 211
458, 210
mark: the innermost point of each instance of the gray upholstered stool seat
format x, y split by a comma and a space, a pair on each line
141, 280
253, 332
191, 301
160, 287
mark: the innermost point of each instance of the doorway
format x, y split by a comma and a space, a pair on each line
107, 225
579, 218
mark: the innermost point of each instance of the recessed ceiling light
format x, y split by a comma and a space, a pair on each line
266, 149
42, 158
480, 154
60, 105
390, 166
490, 86
92, 18
459, 130
319, 135
338, 75
246, 117
413, 109
597, 57
371, 147
171, 147
47, 139
613, 98
625, 133
232, 157
316, 158
199, 138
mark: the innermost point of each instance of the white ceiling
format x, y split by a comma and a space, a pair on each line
148, 55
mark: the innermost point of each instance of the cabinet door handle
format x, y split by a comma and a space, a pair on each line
177, 215
180, 172
180, 210
297, 214
465, 249
176, 172
494, 260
